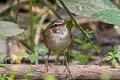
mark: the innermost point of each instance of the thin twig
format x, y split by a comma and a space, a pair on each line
80, 28
5, 8
49, 5
37, 34
17, 11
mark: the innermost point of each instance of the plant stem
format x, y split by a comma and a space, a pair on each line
32, 30
17, 9
31, 26
80, 28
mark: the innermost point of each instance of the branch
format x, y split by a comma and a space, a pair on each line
77, 71
49, 5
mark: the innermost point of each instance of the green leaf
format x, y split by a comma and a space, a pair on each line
2, 54
88, 7
56, 52
3, 77
84, 59
97, 47
9, 29
69, 24
49, 77
118, 51
2, 65
78, 40
41, 49
114, 62
109, 58
12, 76
33, 58
6, 58
1, 35
75, 56
87, 31
88, 44
108, 16
84, 46
110, 53
23, 54
30, 68
116, 55
107, 2
28, 74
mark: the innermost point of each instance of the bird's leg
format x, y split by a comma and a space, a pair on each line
57, 59
67, 65
46, 63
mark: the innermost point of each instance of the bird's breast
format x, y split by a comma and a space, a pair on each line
59, 40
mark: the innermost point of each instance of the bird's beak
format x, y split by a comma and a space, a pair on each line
63, 24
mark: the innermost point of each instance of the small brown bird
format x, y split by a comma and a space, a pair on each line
57, 37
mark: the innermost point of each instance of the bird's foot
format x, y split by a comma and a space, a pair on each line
68, 70
47, 66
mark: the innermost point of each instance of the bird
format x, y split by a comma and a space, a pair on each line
57, 37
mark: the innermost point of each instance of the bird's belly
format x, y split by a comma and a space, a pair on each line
58, 42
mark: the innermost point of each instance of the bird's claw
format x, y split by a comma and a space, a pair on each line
47, 66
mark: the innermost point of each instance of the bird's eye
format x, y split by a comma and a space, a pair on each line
56, 25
